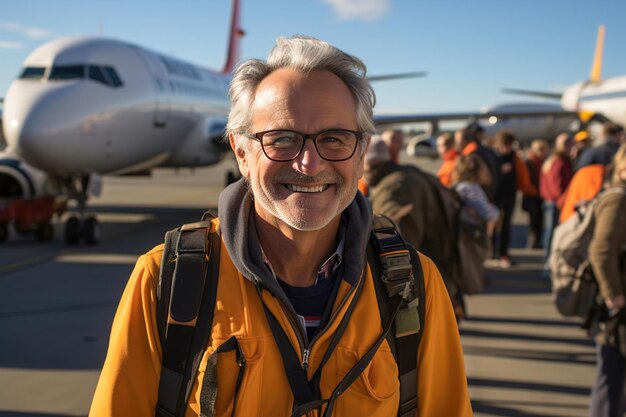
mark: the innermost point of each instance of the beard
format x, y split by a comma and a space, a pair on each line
300, 210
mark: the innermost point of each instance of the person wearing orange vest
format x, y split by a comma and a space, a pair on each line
584, 186
293, 235
449, 155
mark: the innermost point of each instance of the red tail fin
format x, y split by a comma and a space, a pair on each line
236, 33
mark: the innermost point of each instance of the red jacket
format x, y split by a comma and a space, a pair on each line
556, 174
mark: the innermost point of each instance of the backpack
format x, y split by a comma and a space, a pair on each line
467, 236
186, 297
573, 284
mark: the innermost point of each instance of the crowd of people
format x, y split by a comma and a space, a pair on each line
489, 174
294, 309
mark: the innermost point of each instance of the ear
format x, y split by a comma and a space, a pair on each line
240, 155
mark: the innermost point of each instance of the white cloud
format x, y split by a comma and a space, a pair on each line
359, 9
31, 32
10, 45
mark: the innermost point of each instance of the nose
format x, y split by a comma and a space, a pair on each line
309, 161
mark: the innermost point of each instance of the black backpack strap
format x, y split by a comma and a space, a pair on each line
187, 287
386, 244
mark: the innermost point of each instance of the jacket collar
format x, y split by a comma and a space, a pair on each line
236, 210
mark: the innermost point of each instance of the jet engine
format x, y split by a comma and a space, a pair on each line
28, 199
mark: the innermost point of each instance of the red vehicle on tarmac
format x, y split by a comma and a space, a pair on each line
28, 200
30, 215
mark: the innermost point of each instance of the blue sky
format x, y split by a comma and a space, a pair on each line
470, 48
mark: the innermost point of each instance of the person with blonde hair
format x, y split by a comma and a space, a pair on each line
469, 176
607, 255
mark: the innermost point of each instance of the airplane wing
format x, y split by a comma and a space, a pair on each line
384, 120
533, 93
396, 76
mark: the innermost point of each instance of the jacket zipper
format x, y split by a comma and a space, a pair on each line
306, 352
303, 344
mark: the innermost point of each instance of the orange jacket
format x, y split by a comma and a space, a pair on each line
363, 187
585, 184
129, 380
522, 178
445, 171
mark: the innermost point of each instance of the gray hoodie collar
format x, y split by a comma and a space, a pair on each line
236, 209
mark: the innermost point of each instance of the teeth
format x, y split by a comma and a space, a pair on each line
301, 189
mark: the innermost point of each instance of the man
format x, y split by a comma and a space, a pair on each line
394, 139
402, 193
294, 233
582, 142
604, 147
533, 203
448, 155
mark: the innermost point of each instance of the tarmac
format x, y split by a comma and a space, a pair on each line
57, 303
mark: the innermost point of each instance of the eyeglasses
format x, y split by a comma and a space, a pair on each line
286, 145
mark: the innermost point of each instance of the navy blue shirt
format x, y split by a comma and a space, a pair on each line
314, 304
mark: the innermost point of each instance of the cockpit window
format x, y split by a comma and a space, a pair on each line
33, 73
95, 73
115, 79
67, 72
99, 73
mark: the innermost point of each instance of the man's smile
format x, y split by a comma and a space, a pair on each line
306, 189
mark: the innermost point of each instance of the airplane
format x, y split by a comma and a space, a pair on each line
86, 107
527, 121
580, 104
595, 97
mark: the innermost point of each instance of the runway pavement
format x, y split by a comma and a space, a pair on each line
57, 303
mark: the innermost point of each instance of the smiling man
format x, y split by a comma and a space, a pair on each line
296, 297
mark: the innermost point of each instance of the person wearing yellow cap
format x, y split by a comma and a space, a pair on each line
582, 141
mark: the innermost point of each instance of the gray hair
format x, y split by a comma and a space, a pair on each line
304, 54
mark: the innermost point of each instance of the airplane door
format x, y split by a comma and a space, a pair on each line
161, 88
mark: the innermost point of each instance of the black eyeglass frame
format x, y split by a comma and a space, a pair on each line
313, 136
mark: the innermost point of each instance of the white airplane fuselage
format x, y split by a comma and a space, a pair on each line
94, 105
607, 97
527, 128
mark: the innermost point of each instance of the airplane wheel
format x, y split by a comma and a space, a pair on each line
44, 232
92, 231
4, 232
72, 230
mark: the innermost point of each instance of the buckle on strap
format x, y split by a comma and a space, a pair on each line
395, 261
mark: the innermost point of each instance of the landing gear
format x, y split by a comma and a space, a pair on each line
72, 230
87, 229
82, 226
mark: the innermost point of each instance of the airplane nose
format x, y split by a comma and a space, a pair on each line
31, 119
